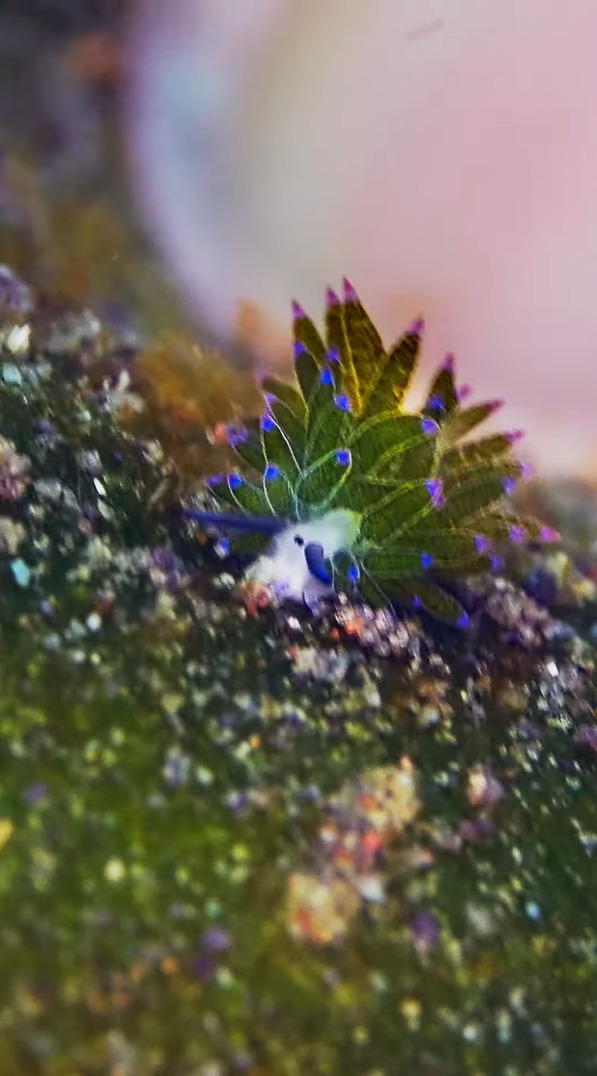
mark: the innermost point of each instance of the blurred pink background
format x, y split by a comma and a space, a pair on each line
440, 153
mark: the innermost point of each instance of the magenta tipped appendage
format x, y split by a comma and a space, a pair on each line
448, 363
331, 298
416, 327
495, 404
350, 295
548, 534
514, 436
297, 311
463, 393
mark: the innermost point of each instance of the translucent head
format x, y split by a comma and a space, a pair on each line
283, 567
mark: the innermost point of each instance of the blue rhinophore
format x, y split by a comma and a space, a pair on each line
315, 560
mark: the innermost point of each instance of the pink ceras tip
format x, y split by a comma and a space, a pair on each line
548, 534
350, 295
495, 405
297, 311
448, 363
515, 435
331, 298
416, 327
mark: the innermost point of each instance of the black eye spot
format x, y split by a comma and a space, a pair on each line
299, 540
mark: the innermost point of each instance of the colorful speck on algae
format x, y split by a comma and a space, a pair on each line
298, 843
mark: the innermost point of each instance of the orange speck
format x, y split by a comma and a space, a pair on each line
367, 801
372, 842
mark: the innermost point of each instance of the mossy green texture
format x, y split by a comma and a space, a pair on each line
166, 765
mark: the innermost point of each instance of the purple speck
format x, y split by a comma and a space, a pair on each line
416, 327
417, 603
342, 401
463, 621
333, 355
517, 533
436, 491
299, 348
509, 485
495, 405
429, 427
270, 398
425, 931
514, 436
548, 534
215, 480
426, 560
496, 563
343, 457
236, 435
350, 295
36, 793
326, 377
463, 393
272, 471
436, 403
448, 363
586, 736
268, 423
215, 940
234, 480
331, 298
354, 574
482, 544
203, 967
297, 311
471, 831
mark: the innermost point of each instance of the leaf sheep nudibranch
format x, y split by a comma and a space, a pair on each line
359, 493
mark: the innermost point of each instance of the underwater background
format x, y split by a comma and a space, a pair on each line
246, 836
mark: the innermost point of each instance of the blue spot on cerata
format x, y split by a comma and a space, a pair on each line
326, 377
426, 560
271, 472
429, 427
343, 457
342, 401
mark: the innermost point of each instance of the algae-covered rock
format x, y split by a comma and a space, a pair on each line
302, 841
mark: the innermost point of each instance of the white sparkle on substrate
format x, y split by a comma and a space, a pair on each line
283, 568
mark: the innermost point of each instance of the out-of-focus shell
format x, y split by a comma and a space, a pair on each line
441, 153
